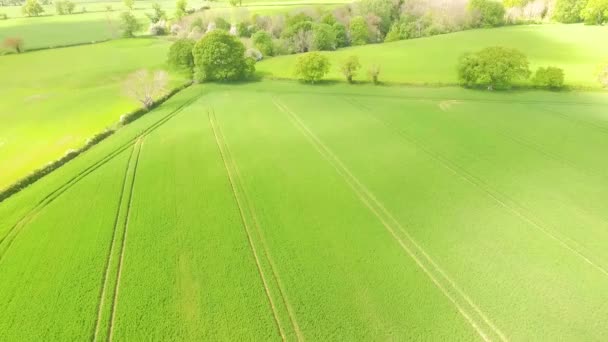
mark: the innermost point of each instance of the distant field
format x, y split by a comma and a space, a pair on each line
274, 211
433, 60
46, 111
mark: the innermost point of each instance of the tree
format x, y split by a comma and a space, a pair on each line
129, 4
263, 42
323, 37
349, 68
549, 77
595, 12
602, 75
341, 35
13, 43
180, 9
387, 11
129, 24
180, 55
394, 34
487, 13
219, 56
222, 24
157, 15
64, 7
32, 8
235, 3
145, 86
359, 33
493, 67
311, 67
374, 72
568, 11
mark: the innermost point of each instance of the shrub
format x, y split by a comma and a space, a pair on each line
323, 37
222, 24
374, 72
359, 33
129, 24
349, 68
32, 8
493, 67
311, 67
180, 55
243, 30
487, 13
13, 43
549, 77
394, 34
197, 22
255, 54
218, 56
602, 75
158, 28
263, 42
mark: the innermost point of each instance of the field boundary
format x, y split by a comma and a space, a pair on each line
514, 207
49, 198
242, 205
115, 237
409, 245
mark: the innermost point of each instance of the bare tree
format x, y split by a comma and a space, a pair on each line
302, 41
144, 86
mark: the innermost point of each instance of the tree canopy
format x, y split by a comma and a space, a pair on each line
493, 68
219, 56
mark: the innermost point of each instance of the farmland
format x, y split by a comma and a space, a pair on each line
433, 60
215, 217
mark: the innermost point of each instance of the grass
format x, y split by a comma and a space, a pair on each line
433, 60
54, 100
277, 210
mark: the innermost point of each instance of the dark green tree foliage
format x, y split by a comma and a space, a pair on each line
568, 11
311, 67
386, 10
180, 55
297, 26
486, 13
328, 19
549, 77
262, 41
219, 56
493, 68
341, 35
129, 24
324, 37
359, 32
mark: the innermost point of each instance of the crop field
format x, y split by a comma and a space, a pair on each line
433, 60
47, 111
278, 211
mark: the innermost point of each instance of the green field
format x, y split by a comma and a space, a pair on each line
433, 60
275, 210
56, 99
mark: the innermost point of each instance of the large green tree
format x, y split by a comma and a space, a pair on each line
487, 13
180, 56
595, 12
568, 11
493, 68
311, 67
219, 56
32, 8
359, 32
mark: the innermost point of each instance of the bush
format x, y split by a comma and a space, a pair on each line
158, 28
222, 24
549, 77
493, 67
157, 15
350, 67
263, 42
32, 8
197, 22
255, 54
129, 24
180, 55
374, 72
394, 34
3, 16
311, 67
218, 56
323, 37
487, 13
359, 33
341, 35
243, 30
13, 43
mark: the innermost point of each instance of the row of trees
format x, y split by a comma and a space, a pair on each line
313, 66
592, 12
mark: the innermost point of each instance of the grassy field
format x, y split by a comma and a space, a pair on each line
275, 210
433, 60
46, 111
